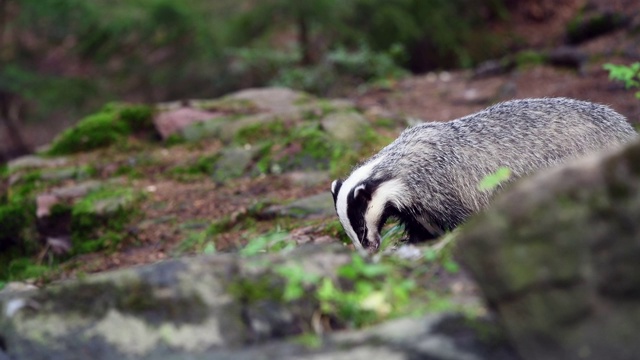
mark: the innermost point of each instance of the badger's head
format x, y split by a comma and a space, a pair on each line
364, 203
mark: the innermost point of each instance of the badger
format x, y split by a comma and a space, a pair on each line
428, 177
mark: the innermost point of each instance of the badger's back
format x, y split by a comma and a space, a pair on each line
441, 164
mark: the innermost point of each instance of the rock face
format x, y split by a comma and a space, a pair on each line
221, 307
176, 307
558, 258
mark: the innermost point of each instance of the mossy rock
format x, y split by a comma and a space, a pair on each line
232, 163
203, 130
107, 127
138, 117
33, 162
98, 220
312, 145
14, 217
258, 132
24, 185
95, 131
529, 58
227, 105
196, 169
68, 173
305, 148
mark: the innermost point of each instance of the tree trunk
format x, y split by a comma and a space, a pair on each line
7, 99
7, 117
303, 40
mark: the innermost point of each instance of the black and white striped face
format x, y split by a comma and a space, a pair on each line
363, 204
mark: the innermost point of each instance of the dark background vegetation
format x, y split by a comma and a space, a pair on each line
63, 59
60, 59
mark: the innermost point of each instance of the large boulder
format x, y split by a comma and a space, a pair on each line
225, 307
558, 258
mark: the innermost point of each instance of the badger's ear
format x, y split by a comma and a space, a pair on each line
364, 190
335, 188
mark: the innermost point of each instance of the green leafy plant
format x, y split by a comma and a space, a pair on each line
209, 249
13, 218
275, 241
374, 291
628, 74
193, 240
298, 280
98, 219
441, 253
492, 181
391, 236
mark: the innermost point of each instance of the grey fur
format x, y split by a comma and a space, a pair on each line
438, 166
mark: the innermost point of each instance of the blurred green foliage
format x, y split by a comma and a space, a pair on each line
627, 74
70, 56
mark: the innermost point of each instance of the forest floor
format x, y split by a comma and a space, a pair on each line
432, 97
177, 209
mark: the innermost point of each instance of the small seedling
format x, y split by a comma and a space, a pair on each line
492, 181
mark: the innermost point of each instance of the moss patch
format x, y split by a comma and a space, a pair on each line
95, 131
107, 127
195, 170
256, 133
361, 292
98, 220
530, 58
228, 105
14, 218
138, 117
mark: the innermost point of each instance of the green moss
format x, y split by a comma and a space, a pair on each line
25, 185
13, 219
25, 268
257, 133
274, 241
132, 172
95, 131
203, 166
108, 126
194, 242
306, 147
305, 99
228, 105
311, 341
174, 139
220, 226
530, 58
133, 297
250, 291
242, 221
99, 219
309, 147
138, 117
387, 123
56, 175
